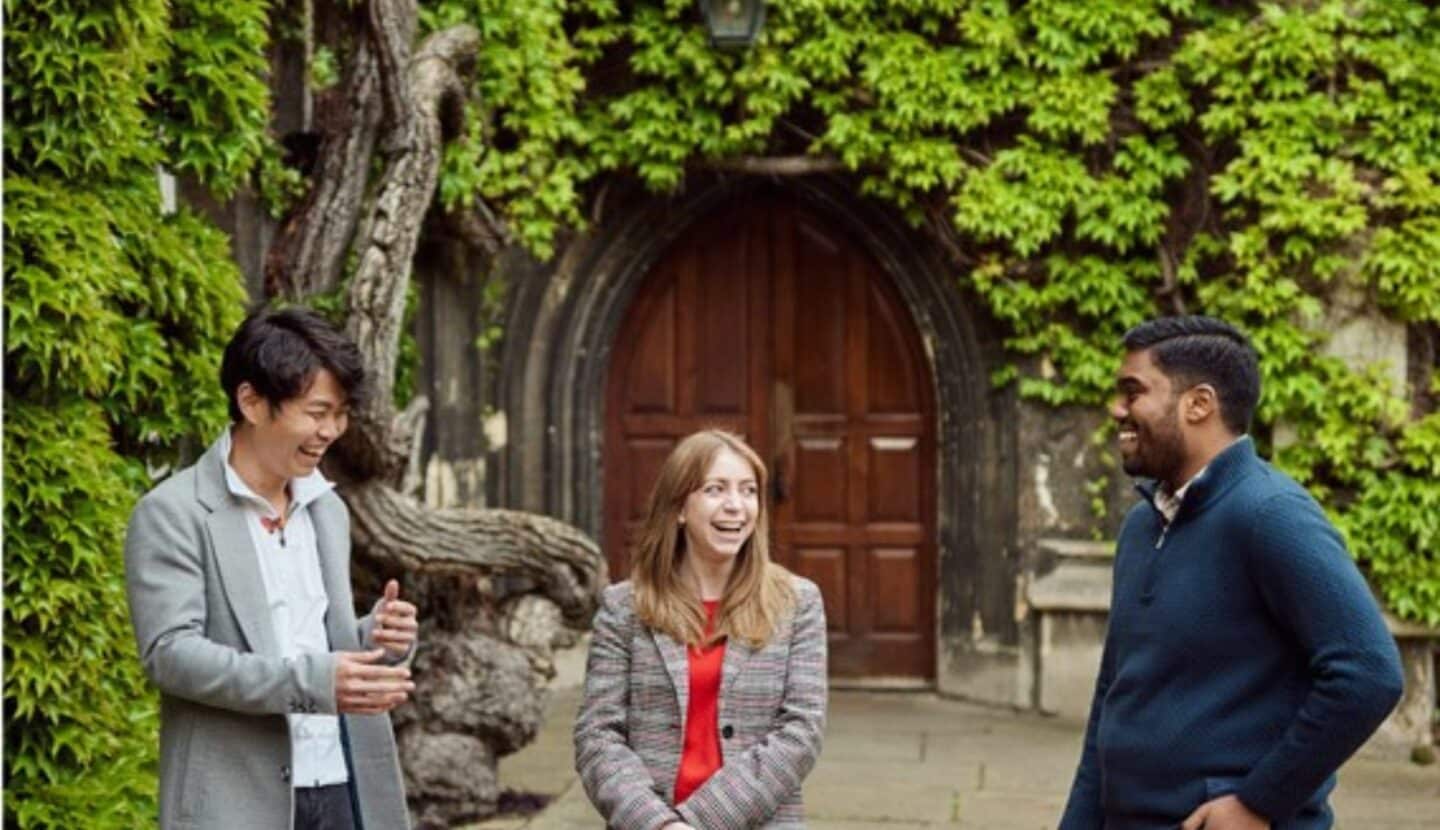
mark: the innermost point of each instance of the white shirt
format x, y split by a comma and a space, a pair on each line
295, 595
1169, 505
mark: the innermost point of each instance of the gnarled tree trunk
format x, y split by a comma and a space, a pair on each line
498, 589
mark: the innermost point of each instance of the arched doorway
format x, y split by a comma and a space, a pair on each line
763, 319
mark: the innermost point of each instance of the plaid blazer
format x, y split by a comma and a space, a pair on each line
631, 724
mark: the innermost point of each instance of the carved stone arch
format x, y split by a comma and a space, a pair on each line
553, 380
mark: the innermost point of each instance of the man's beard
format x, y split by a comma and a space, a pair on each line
1159, 450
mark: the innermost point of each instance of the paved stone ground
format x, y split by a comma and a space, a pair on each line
913, 760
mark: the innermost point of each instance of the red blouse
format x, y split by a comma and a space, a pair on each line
701, 757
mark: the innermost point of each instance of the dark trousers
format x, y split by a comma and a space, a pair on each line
323, 808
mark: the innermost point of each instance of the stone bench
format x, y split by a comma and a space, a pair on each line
1067, 594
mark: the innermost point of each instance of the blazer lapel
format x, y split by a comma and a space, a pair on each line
235, 552
240, 574
677, 665
329, 545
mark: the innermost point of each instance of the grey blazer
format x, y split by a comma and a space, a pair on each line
197, 603
631, 726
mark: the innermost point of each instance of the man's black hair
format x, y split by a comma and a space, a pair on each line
1193, 349
278, 352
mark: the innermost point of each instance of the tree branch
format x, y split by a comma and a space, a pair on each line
1170, 281
385, 247
309, 249
477, 226
942, 230
397, 531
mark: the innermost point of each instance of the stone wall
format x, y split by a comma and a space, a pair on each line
1069, 599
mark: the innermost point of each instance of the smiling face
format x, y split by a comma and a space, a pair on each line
1147, 410
720, 516
288, 441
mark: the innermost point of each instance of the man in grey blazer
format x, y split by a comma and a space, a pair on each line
274, 697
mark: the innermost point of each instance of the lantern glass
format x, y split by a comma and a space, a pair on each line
733, 24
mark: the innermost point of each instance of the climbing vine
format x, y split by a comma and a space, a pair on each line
115, 312
1089, 165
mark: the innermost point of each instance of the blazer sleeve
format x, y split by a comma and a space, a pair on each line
748, 789
165, 584
617, 781
1312, 587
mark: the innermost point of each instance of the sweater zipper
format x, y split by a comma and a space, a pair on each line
1147, 587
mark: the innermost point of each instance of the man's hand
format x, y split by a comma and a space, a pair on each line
677, 825
395, 623
1225, 813
363, 687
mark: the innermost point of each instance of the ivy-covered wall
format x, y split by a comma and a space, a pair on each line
115, 311
1090, 164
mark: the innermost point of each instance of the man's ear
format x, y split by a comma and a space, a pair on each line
1199, 403
252, 404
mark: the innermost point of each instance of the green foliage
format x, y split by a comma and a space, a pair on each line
90, 87
114, 316
76, 699
75, 78
209, 98
528, 68
1101, 161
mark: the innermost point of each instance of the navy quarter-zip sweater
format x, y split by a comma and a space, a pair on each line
1245, 655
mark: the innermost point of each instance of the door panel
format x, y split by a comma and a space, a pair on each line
820, 458
765, 322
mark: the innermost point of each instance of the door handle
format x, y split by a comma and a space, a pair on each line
779, 486
782, 425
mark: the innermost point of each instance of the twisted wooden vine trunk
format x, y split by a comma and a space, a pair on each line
498, 589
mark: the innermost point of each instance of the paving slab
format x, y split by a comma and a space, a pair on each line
900, 760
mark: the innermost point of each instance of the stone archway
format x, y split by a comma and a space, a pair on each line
552, 385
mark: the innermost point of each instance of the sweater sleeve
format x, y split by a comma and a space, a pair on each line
1083, 809
1313, 589
614, 776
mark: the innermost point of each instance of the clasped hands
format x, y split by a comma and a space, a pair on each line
363, 684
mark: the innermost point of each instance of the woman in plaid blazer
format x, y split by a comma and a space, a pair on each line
703, 581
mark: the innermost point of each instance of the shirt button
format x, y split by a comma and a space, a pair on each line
727, 732
285, 773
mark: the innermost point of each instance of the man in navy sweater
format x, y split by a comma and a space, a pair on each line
1246, 658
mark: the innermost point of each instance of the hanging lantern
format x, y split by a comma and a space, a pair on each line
733, 24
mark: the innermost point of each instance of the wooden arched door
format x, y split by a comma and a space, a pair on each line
765, 321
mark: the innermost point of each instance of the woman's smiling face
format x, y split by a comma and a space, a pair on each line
719, 517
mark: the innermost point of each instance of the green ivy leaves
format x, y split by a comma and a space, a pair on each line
1101, 162
114, 316
114, 320
94, 90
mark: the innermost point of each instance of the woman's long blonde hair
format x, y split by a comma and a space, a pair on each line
758, 594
